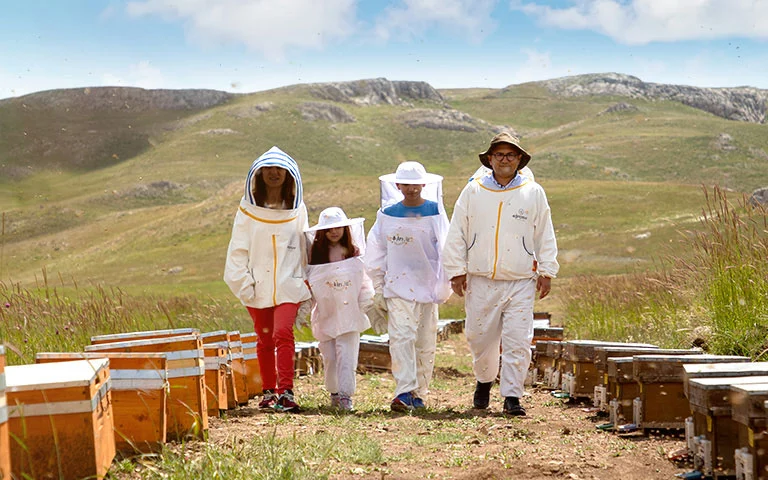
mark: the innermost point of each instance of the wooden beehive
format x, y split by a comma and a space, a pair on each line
541, 360
215, 378
187, 401
307, 358
252, 369
237, 361
710, 401
623, 388
5, 447
748, 410
722, 370
541, 334
662, 403
580, 369
374, 354
139, 396
223, 339
553, 375
60, 418
143, 335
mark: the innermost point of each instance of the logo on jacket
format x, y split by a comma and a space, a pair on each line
521, 215
339, 285
399, 240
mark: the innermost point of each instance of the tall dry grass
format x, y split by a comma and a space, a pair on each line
718, 298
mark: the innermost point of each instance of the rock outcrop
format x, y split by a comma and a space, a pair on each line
376, 91
312, 111
744, 104
759, 197
106, 99
449, 119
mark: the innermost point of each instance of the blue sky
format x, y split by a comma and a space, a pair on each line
251, 45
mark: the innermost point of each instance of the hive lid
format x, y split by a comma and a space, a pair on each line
41, 376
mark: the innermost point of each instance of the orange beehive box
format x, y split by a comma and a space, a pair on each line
223, 339
252, 370
238, 367
139, 396
5, 448
125, 337
748, 410
187, 402
60, 419
216, 378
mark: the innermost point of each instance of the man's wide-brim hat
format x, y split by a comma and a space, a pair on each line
334, 217
505, 137
412, 173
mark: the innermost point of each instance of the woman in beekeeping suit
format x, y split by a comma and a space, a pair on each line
403, 260
341, 294
265, 268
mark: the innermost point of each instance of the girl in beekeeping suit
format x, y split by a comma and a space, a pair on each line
265, 269
403, 260
341, 294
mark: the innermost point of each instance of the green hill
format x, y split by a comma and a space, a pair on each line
141, 193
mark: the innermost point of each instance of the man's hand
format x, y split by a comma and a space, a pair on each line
459, 284
543, 286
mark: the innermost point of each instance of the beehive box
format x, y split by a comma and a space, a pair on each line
307, 358
580, 373
5, 447
552, 376
722, 370
60, 418
143, 335
624, 389
541, 334
748, 410
541, 360
252, 369
139, 396
187, 401
223, 339
710, 402
215, 378
237, 361
662, 403
604, 392
374, 354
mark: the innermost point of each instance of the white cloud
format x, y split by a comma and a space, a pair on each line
638, 22
470, 18
141, 74
266, 26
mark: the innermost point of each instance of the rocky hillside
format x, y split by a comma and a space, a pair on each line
376, 91
744, 104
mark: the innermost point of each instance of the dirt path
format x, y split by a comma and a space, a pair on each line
449, 440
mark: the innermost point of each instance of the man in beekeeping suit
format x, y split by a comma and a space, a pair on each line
500, 251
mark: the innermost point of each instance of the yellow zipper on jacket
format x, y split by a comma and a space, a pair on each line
266, 220
496, 242
274, 270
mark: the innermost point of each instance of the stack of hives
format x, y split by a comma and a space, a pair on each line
644, 388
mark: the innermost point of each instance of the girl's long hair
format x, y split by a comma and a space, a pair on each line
318, 253
287, 190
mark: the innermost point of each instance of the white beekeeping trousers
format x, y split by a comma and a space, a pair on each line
340, 363
412, 342
500, 314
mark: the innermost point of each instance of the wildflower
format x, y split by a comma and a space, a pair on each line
7, 305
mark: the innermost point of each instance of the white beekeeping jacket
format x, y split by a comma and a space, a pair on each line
404, 254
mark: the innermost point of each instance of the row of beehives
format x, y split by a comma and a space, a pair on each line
69, 413
720, 402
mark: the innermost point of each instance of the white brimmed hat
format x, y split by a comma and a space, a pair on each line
411, 173
334, 217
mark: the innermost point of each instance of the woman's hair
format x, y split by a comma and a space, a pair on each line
287, 191
318, 253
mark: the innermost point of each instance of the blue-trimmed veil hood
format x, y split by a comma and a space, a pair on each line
274, 157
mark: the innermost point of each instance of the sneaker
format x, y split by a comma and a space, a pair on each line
482, 395
268, 400
345, 403
286, 402
512, 407
418, 403
335, 397
402, 402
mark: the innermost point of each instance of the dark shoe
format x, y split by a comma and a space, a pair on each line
512, 407
286, 402
402, 403
268, 400
482, 395
418, 404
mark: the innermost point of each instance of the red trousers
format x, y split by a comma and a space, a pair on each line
274, 328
